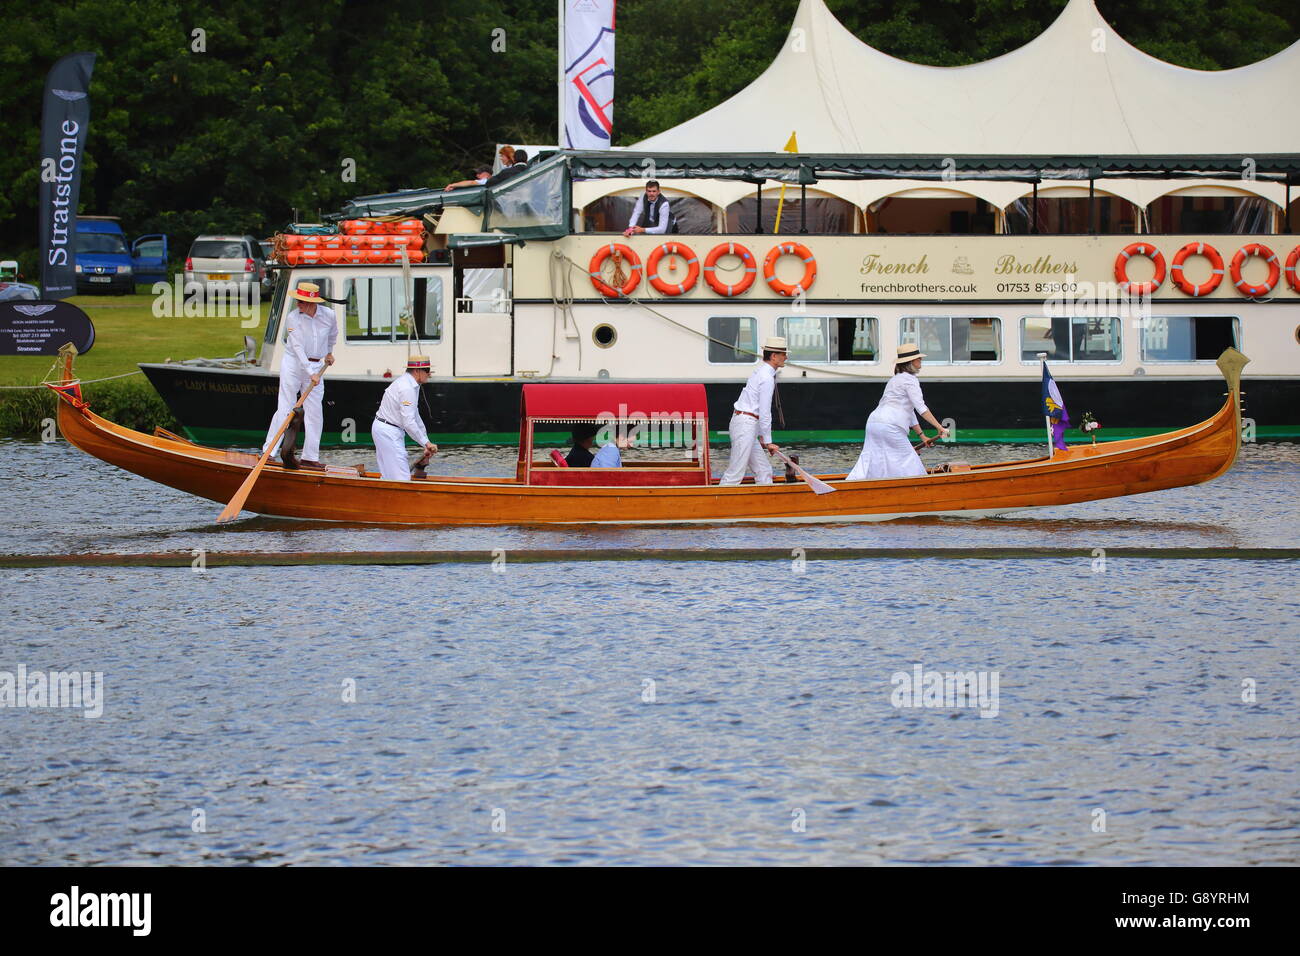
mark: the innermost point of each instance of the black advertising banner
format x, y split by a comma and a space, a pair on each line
65, 123
42, 328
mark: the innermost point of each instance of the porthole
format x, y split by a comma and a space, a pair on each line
604, 335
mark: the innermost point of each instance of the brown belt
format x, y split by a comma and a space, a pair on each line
310, 359
750, 414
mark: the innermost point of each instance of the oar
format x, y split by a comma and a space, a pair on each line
236, 505
815, 483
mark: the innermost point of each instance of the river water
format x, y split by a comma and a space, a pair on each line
1137, 711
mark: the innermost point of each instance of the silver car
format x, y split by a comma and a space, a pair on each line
227, 264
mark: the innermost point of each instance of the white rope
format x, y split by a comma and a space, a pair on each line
80, 381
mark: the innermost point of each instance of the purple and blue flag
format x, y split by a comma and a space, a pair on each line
1054, 409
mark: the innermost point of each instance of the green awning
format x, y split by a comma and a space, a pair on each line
809, 168
411, 202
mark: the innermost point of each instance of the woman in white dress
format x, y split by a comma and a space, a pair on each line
887, 452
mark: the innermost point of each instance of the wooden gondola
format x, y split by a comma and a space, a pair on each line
660, 492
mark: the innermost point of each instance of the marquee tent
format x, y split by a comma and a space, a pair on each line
1077, 89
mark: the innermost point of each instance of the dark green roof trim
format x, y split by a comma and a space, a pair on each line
809, 168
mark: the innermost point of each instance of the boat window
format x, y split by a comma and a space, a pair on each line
1199, 215
693, 216
954, 215
374, 307
733, 338
953, 339
1059, 216
1188, 338
822, 215
806, 336
823, 339
1070, 338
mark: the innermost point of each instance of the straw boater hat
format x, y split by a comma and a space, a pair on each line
775, 343
419, 363
307, 292
909, 352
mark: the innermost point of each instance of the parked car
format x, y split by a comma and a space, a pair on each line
226, 263
106, 264
10, 288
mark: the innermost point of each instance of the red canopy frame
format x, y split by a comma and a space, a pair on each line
636, 408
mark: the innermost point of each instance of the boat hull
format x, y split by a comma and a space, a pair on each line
1084, 473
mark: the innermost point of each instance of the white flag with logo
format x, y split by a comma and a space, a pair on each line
588, 62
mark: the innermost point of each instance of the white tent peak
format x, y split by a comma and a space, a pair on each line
1078, 88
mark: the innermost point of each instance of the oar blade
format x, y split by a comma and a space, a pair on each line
236, 505
817, 485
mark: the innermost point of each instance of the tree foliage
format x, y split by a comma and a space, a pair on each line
260, 122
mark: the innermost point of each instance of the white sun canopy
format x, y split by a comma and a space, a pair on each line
1077, 89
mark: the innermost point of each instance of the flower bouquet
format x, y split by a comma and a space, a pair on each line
1089, 426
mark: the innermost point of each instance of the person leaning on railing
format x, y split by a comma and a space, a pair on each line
480, 177
513, 162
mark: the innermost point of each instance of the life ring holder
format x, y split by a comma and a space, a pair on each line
1290, 271
673, 249
1216, 269
809, 268
1274, 271
1121, 268
598, 260
710, 269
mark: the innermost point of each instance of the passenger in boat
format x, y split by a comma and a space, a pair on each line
398, 416
751, 425
886, 452
480, 177
610, 455
309, 348
651, 213
513, 162
580, 456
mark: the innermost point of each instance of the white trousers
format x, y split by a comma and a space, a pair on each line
886, 453
390, 451
294, 380
746, 453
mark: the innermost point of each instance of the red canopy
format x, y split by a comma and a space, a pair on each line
568, 403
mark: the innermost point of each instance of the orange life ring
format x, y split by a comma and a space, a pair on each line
1216, 268
1121, 268
809, 268
1265, 253
672, 249
1291, 278
598, 260
729, 249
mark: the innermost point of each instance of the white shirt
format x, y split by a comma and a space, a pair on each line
756, 398
902, 401
399, 407
311, 336
607, 457
659, 229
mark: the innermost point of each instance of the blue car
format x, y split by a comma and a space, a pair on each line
106, 264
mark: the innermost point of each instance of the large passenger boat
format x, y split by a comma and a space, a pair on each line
1131, 271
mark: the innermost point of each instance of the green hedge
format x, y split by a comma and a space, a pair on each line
129, 402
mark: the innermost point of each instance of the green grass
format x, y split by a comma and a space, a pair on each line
127, 332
